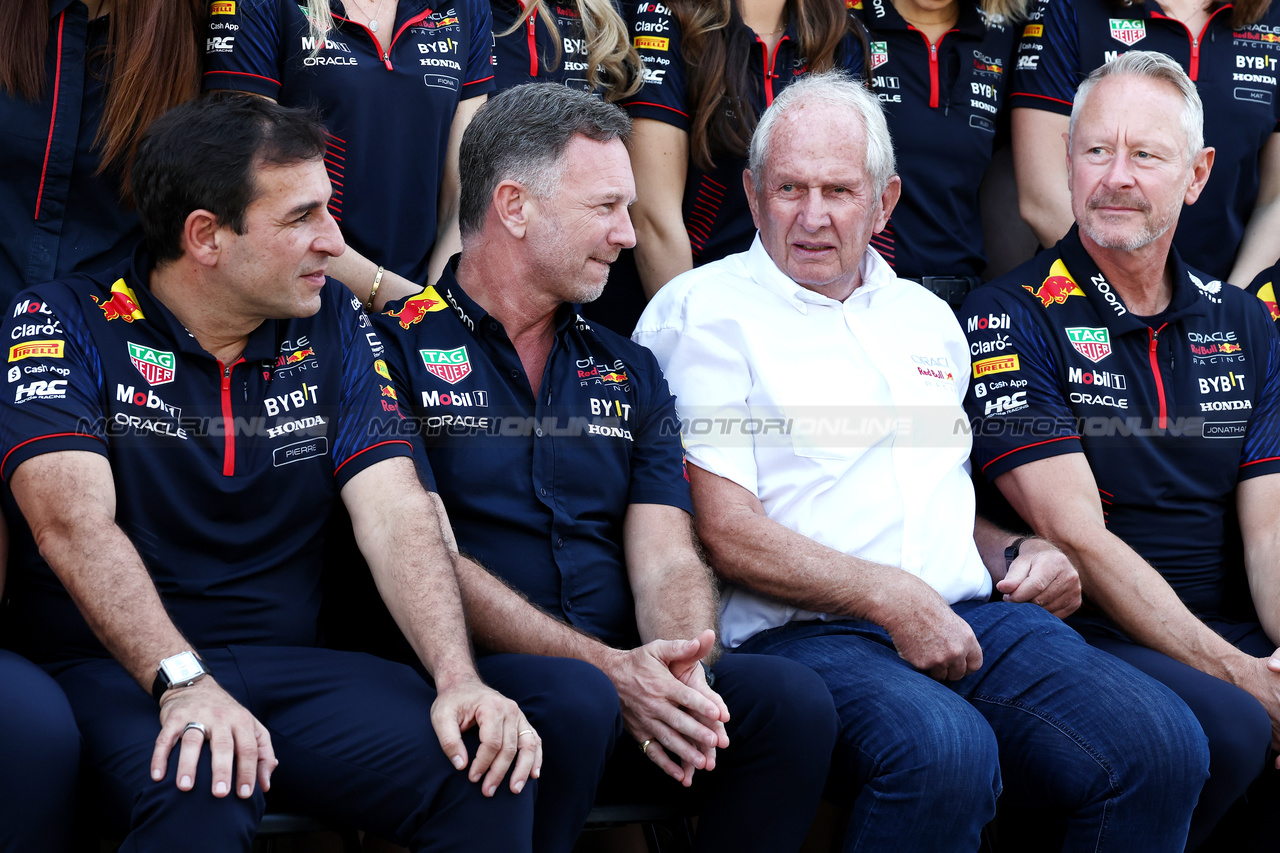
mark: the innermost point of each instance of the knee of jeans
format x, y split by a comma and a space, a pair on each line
952, 758
1166, 746
579, 707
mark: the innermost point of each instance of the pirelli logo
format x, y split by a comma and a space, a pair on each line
36, 349
1000, 364
651, 43
222, 7
1033, 31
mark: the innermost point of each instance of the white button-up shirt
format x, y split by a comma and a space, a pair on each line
843, 418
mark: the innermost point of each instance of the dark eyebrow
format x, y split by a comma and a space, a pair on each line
306, 207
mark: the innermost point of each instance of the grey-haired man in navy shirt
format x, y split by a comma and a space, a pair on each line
556, 449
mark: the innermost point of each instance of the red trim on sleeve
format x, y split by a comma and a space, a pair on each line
1046, 97
53, 115
476, 82
5, 461
371, 447
1245, 465
650, 104
244, 74
1027, 446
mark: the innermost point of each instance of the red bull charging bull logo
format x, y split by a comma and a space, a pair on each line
417, 307
1057, 287
1268, 296
122, 305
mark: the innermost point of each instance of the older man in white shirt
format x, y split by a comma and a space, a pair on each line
821, 402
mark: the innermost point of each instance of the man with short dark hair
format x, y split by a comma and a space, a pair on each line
556, 450
1126, 406
828, 464
175, 434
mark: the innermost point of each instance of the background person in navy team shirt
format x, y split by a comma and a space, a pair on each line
556, 449
942, 72
581, 43
1128, 407
1230, 52
396, 82
710, 69
179, 428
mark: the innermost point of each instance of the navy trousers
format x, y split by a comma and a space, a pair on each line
39, 757
1056, 723
354, 738
1236, 724
766, 786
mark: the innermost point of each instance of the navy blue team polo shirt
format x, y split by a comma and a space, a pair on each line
1234, 71
387, 101
224, 474
1171, 411
942, 103
60, 216
527, 54
537, 489
715, 208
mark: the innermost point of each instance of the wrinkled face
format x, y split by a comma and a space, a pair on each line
276, 268
583, 224
1128, 164
817, 207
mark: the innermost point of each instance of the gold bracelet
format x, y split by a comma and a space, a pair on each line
377, 282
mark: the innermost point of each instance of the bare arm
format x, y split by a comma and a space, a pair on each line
413, 570
1256, 502
1260, 245
746, 547
656, 704
1059, 498
660, 157
448, 238
68, 499
1040, 164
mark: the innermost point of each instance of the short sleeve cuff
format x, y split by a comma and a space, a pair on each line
1033, 101
53, 443
720, 462
1036, 450
372, 455
676, 495
1259, 468
476, 88
658, 112
242, 81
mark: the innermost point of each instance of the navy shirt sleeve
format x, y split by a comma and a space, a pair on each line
480, 78
391, 366
658, 473
1015, 400
243, 47
1048, 69
369, 427
1261, 452
53, 399
655, 31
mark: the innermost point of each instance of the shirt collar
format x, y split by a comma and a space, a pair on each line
470, 312
969, 23
874, 271
1186, 300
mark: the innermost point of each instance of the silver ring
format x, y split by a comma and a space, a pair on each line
197, 727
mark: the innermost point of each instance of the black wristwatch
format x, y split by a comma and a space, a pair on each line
1011, 553
182, 670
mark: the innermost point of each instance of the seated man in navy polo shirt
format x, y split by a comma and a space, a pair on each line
1126, 405
175, 434
556, 450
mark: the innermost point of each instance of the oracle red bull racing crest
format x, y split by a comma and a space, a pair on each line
451, 365
1093, 344
156, 366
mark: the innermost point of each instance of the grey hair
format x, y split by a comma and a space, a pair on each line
1153, 66
520, 136
833, 89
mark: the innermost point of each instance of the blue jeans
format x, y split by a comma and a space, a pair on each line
1067, 727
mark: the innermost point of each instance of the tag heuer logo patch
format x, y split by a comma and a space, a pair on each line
879, 54
156, 366
1093, 344
1128, 32
451, 365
